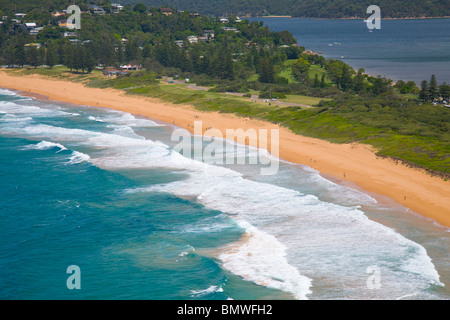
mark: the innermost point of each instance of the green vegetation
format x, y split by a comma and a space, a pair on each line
313, 8
400, 120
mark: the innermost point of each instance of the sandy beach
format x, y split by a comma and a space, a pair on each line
355, 163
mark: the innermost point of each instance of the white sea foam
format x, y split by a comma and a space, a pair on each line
125, 131
204, 292
11, 118
320, 239
78, 157
45, 145
31, 110
97, 119
123, 118
262, 260
7, 92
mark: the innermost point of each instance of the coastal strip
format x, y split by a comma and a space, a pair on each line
356, 163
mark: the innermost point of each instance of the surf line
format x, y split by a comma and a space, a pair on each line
213, 152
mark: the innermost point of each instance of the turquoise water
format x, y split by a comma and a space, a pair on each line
105, 190
402, 49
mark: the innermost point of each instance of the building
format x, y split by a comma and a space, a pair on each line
70, 34
29, 25
167, 11
35, 31
209, 34
36, 45
230, 29
114, 73
130, 67
63, 24
192, 39
97, 9
180, 43
57, 14
116, 7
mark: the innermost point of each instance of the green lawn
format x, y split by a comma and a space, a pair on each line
310, 101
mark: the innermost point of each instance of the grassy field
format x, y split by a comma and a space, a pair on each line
314, 70
296, 98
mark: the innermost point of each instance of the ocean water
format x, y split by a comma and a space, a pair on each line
401, 50
106, 191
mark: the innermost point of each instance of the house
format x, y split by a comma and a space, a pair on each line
115, 7
29, 25
35, 31
36, 45
209, 34
310, 52
63, 24
180, 43
192, 39
57, 14
20, 15
113, 73
70, 34
97, 9
230, 29
224, 20
129, 67
167, 11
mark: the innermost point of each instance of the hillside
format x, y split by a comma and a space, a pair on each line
308, 8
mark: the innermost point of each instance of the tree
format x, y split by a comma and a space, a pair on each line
51, 55
140, 8
412, 87
380, 85
20, 53
316, 83
322, 82
300, 69
444, 91
346, 81
267, 72
32, 56
69, 57
358, 82
433, 88
224, 64
89, 61
131, 51
424, 94
9, 55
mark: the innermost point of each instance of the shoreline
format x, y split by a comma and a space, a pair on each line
353, 163
350, 18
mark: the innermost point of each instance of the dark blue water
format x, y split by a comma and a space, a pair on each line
402, 49
105, 191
